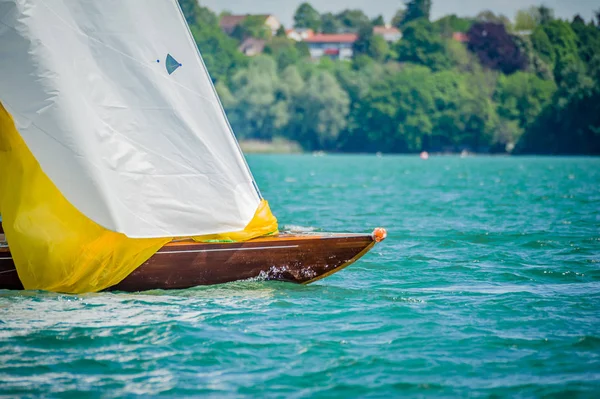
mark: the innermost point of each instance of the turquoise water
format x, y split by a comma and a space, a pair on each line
487, 286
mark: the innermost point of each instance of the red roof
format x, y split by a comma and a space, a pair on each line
252, 44
333, 38
381, 30
231, 21
307, 32
460, 37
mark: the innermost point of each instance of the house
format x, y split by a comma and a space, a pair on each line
389, 33
334, 46
252, 46
228, 23
299, 34
273, 23
460, 37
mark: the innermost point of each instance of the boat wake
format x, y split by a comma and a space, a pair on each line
298, 229
283, 273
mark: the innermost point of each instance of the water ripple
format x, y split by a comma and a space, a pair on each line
488, 285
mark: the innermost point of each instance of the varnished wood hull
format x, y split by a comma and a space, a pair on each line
298, 258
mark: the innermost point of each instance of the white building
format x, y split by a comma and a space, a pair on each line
388, 32
299, 34
334, 46
228, 23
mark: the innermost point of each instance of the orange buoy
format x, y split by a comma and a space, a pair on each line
379, 234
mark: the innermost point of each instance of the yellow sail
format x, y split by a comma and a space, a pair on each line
54, 246
263, 223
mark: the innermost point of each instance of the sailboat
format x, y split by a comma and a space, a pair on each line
118, 167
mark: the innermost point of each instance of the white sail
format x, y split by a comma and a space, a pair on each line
113, 100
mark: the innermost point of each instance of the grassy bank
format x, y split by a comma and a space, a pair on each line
276, 146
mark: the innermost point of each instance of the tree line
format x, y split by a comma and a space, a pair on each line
532, 86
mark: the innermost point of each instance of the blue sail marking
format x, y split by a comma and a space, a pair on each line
172, 64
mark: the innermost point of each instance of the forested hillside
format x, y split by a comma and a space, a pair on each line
526, 85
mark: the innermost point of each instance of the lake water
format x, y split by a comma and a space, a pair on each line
488, 285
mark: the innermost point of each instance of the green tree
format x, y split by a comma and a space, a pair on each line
290, 90
307, 17
257, 112
356, 80
283, 50
521, 97
362, 43
525, 20
227, 99
281, 32
191, 11
536, 64
361, 61
489, 16
542, 46
594, 68
416, 9
451, 23
252, 26
463, 115
588, 39
482, 118
451, 96
398, 18
292, 83
545, 14
322, 112
353, 20
570, 125
379, 49
219, 51
422, 44
325, 64
330, 23
303, 50
378, 21
371, 45
564, 47
395, 114
463, 59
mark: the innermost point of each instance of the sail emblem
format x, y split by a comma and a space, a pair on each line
172, 64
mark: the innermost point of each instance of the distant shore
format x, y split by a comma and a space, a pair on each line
283, 146
277, 146
403, 82
291, 147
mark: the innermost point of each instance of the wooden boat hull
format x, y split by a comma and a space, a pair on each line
297, 258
